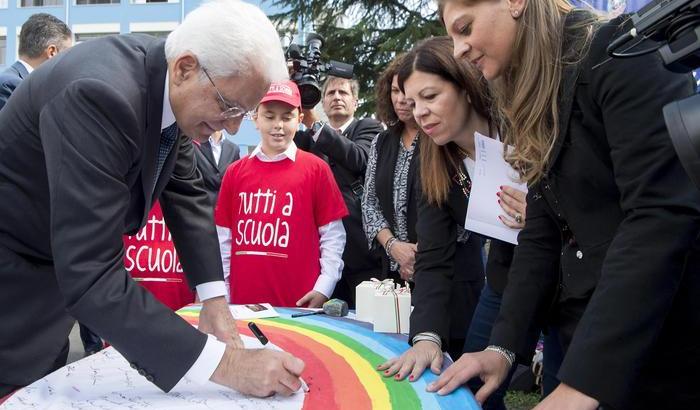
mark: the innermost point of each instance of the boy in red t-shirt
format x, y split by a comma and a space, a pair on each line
279, 214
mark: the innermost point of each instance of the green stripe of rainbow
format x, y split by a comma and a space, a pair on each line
341, 369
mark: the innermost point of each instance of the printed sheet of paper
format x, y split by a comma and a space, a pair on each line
106, 381
253, 311
490, 172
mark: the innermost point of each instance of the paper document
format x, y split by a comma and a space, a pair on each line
490, 173
253, 311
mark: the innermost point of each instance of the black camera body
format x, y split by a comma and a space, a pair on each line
309, 72
673, 27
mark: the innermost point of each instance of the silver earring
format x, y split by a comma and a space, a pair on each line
516, 13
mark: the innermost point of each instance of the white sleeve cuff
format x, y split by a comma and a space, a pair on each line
210, 290
325, 284
207, 362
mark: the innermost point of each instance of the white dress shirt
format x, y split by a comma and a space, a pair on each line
213, 351
331, 242
216, 148
26, 65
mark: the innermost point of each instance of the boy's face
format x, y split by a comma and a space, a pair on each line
277, 123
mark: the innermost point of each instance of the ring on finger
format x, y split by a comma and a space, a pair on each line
519, 218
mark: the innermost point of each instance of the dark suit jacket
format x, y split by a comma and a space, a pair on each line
211, 172
347, 156
10, 79
607, 252
78, 150
449, 275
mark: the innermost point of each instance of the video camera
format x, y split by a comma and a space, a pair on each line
309, 72
673, 26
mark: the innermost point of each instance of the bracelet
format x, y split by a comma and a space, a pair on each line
388, 244
509, 356
429, 336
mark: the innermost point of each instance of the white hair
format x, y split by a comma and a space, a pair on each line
229, 37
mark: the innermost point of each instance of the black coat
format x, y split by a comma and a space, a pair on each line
211, 172
78, 150
347, 156
607, 254
10, 78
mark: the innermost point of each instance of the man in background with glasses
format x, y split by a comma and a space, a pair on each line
107, 129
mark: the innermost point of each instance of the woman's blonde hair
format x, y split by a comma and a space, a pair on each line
526, 94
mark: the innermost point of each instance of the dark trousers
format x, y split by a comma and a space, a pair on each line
91, 342
478, 337
61, 360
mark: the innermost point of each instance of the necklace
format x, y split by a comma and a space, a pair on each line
464, 182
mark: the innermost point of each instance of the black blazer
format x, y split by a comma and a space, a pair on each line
77, 162
10, 79
607, 252
347, 156
211, 172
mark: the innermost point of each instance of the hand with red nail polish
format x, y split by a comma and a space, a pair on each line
414, 361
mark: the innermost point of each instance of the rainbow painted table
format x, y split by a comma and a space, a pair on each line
341, 357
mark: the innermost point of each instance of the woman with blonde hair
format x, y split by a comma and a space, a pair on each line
609, 255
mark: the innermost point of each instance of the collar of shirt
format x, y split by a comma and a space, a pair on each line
346, 125
26, 65
168, 117
215, 143
290, 152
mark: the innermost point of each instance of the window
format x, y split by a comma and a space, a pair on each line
39, 3
3, 4
80, 37
159, 34
3, 49
153, 1
89, 2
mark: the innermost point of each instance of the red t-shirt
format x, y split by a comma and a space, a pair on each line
274, 210
152, 260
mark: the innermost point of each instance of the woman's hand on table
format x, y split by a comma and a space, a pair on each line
491, 367
216, 319
565, 397
414, 361
313, 299
514, 204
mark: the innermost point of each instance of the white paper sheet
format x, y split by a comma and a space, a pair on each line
105, 381
490, 173
253, 311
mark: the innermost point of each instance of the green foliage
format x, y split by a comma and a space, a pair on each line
366, 33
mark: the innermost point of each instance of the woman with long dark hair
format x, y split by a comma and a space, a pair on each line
451, 103
609, 255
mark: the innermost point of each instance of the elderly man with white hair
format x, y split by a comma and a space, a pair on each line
89, 141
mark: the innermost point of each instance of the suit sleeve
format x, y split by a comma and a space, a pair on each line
532, 281
434, 267
645, 262
349, 153
88, 134
189, 215
6, 89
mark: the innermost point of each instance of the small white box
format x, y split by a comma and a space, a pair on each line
392, 310
364, 297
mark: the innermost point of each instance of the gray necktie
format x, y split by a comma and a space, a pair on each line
167, 140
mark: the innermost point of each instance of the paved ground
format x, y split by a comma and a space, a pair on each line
76, 345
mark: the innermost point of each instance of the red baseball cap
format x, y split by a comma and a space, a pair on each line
286, 92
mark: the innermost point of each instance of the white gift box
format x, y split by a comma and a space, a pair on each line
392, 310
364, 297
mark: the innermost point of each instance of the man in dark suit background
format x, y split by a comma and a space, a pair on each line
100, 126
42, 36
344, 142
214, 155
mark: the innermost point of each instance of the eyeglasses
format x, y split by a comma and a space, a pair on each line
230, 111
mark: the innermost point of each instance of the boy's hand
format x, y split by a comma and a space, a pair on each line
313, 299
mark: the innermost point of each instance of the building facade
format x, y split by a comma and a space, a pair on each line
90, 19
